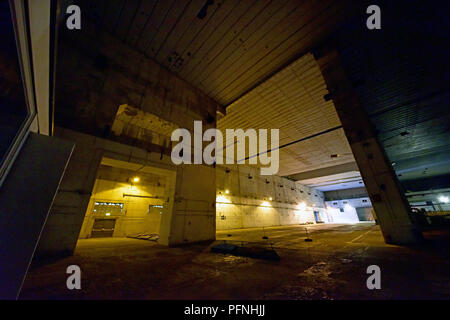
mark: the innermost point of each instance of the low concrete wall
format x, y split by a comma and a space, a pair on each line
136, 215
189, 195
245, 199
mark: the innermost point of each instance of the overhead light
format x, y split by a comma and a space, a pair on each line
227, 191
443, 199
136, 179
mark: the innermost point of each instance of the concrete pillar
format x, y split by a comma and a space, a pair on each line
193, 217
392, 209
65, 219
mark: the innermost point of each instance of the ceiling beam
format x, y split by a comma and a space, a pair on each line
341, 168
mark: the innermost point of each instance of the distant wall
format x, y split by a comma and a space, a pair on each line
350, 210
365, 214
348, 215
346, 194
137, 216
247, 203
189, 194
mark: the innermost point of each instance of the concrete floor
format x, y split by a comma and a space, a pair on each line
332, 266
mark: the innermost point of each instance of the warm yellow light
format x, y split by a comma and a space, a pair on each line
107, 214
265, 204
227, 191
270, 198
222, 199
136, 179
301, 206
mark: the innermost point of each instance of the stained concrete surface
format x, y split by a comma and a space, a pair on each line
332, 266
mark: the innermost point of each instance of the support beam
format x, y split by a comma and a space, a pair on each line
328, 171
388, 200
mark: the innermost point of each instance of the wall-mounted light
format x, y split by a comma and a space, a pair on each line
301, 206
265, 204
222, 199
107, 214
227, 191
270, 198
136, 179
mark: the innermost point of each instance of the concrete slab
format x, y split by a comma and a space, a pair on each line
332, 266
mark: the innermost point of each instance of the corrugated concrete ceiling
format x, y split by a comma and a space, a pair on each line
292, 101
403, 72
223, 47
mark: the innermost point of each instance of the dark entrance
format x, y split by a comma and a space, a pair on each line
317, 217
103, 228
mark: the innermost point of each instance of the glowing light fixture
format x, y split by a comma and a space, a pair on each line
222, 199
136, 179
443, 199
301, 206
227, 191
270, 198
107, 214
265, 204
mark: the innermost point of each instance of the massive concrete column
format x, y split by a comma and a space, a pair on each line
63, 225
391, 207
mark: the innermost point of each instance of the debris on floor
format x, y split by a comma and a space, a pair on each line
146, 236
251, 251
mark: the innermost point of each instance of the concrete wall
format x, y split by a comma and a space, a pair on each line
346, 193
348, 215
194, 207
349, 207
112, 74
136, 216
247, 203
365, 214
189, 194
63, 224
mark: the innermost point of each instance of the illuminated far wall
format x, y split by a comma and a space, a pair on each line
245, 199
142, 202
345, 214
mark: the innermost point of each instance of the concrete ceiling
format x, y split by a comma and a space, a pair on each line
223, 47
292, 101
347, 180
402, 80
234, 50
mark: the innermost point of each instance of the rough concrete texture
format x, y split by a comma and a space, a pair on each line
332, 266
247, 203
115, 185
114, 74
386, 195
189, 195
